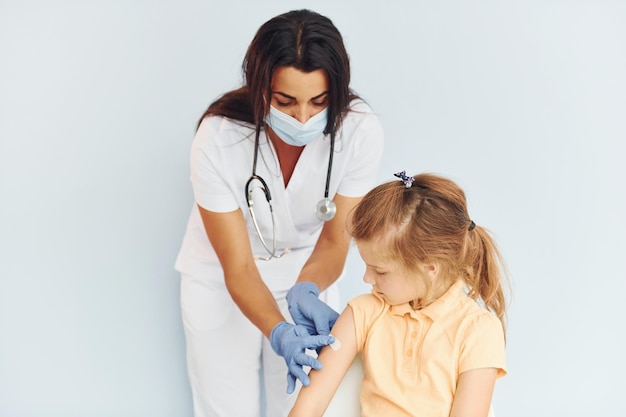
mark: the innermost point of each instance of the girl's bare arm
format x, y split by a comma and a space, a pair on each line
473, 393
313, 400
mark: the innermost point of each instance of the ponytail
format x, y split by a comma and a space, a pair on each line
485, 272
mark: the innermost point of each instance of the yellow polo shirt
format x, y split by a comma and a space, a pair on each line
412, 359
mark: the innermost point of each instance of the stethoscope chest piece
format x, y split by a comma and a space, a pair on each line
325, 210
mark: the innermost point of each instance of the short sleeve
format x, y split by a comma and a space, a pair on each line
211, 191
366, 135
483, 344
364, 310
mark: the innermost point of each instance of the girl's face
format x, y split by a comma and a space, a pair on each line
299, 94
388, 278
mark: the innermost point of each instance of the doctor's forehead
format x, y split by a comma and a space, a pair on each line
293, 83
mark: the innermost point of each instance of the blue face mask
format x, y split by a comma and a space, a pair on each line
291, 131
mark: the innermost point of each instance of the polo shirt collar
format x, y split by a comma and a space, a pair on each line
437, 309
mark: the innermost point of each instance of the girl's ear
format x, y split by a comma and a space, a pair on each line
431, 270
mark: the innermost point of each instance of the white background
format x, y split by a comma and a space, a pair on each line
522, 102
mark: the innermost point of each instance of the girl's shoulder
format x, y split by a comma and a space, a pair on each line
478, 317
367, 304
367, 310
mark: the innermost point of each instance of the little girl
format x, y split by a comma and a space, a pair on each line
431, 333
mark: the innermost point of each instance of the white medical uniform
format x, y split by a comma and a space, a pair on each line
227, 356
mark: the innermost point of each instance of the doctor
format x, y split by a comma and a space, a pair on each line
276, 165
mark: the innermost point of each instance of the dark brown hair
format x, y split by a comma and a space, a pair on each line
301, 39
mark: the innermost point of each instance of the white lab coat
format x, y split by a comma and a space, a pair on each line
225, 352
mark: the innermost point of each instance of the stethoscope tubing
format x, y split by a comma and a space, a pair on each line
330, 165
268, 195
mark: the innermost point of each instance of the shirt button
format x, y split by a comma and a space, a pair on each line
414, 334
409, 353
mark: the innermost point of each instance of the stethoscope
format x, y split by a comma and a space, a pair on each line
324, 210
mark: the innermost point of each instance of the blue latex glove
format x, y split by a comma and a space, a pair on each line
309, 311
290, 341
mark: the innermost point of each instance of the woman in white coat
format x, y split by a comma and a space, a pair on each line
276, 166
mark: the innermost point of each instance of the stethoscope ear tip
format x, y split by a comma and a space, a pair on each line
325, 209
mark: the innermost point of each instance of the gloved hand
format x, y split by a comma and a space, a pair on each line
290, 342
309, 311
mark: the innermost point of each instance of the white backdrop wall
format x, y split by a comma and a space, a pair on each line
522, 102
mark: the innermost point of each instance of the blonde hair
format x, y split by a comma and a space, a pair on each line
429, 223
